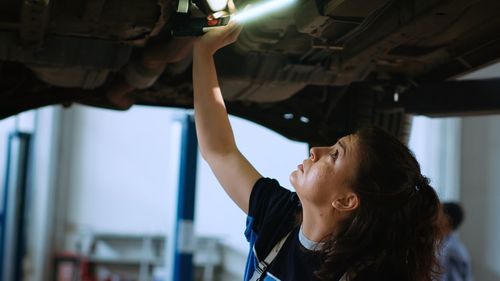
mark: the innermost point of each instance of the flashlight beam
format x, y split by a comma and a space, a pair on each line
262, 9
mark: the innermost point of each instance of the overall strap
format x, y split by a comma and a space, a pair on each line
262, 266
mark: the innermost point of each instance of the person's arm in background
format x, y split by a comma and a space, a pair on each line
455, 268
215, 136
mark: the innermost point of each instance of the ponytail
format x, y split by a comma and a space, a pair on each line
427, 230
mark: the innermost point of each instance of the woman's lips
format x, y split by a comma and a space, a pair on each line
301, 167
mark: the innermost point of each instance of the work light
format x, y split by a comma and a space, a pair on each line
261, 9
198, 26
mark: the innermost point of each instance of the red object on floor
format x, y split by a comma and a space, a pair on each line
71, 267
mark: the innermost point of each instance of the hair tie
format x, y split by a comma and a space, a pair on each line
421, 182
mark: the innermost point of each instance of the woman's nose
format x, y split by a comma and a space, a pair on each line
316, 152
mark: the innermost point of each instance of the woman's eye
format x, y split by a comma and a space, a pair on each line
335, 155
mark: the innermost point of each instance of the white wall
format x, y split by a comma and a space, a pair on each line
44, 162
480, 194
480, 188
436, 144
118, 172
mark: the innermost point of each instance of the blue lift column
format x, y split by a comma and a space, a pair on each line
14, 207
184, 230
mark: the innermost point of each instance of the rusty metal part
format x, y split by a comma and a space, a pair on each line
143, 73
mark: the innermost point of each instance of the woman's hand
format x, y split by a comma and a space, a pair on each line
219, 37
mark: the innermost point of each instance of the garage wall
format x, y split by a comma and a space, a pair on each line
480, 194
45, 155
436, 144
480, 186
116, 172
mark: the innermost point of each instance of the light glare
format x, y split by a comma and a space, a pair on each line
261, 10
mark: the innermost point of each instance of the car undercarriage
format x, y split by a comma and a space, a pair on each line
313, 72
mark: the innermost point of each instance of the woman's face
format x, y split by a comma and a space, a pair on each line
326, 174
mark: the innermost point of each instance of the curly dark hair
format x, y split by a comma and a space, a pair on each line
394, 233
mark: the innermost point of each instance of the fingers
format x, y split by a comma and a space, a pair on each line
231, 9
231, 37
226, 35
240, 28
217, 15
235, 29
221, 36
232, 25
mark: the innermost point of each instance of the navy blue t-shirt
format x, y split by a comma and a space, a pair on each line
272, 215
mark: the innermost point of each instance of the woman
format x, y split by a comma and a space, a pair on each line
361, 211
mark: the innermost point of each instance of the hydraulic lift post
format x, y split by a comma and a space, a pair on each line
184, 230
14, 206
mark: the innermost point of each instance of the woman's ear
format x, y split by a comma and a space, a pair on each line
349, 202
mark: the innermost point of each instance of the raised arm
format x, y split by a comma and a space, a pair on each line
215, 136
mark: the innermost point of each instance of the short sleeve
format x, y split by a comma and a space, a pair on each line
272, 213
